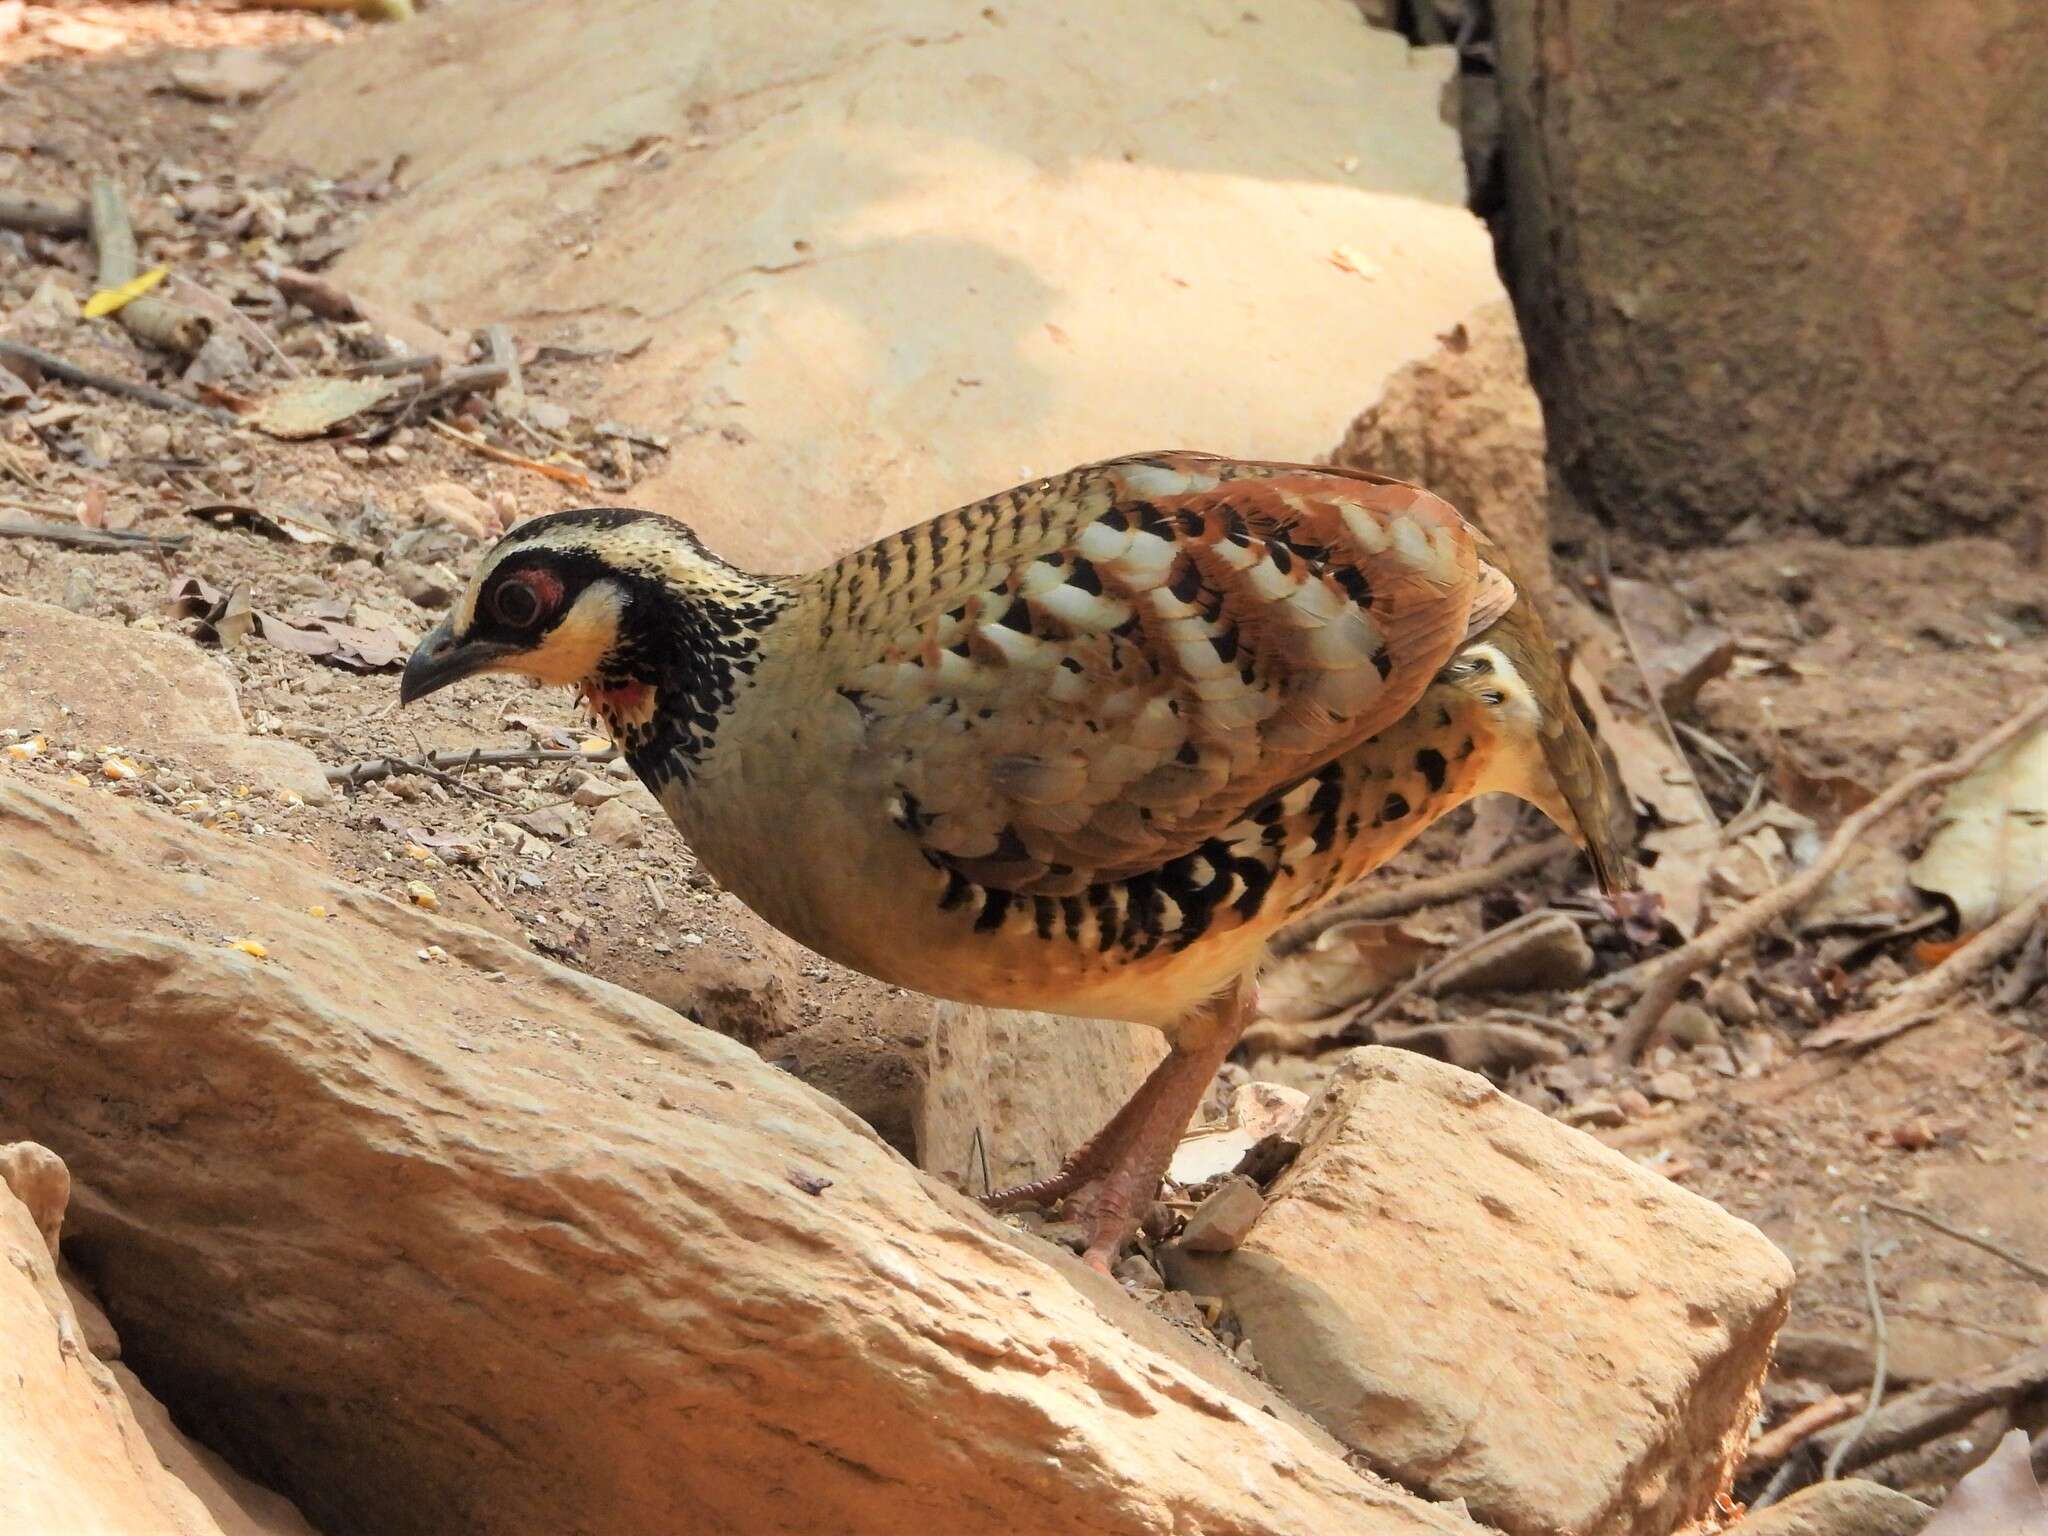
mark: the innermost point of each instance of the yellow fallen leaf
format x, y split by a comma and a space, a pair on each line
316, 912
594, 744
415, 851
107, 300
422, 895
120, 768
22, 751
77, 780
250, 947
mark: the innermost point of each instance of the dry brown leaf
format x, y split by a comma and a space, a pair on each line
1990, 843
1680, 654
1653, 773
1998, 1498
1826, 797
309, 407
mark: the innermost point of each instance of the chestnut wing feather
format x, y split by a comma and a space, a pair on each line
1130, 657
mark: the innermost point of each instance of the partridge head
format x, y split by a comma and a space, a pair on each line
1080, 747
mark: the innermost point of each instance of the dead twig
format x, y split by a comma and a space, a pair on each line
74, 536
504, 353
1380, 905
1832, 1467
574, 478
1355, 1025
42, 215
1919, 1000
432, 764
2025, 1266
1666, 978
164, 325
2028, 971
1781, 1440
313, 292
221, 309
395, 367
70, 373
1919, 1416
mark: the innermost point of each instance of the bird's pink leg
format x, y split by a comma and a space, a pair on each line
1111, 1180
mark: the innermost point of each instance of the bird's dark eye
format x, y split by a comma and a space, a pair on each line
515, 603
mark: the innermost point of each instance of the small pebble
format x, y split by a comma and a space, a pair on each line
1731, 1002
1690, 1024
617, 823
1673, 1087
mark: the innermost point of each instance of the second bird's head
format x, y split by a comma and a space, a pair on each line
629, 606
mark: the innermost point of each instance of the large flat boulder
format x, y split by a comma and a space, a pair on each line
442, 1237
1488, 1305
967, 1092
102, 685
885, 256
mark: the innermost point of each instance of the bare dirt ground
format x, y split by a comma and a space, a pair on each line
1851, 665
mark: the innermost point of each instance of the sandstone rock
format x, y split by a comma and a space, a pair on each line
72, 1458
94, 684
1223, 1218
84, 1447
1730, 1001
1679, 360
619, 824
971, 1094
1261, 1109
41, 1182
1490, 1306
1850, 1507
1465, 422
986, 1075
1147, 264
458, 507
596, 1269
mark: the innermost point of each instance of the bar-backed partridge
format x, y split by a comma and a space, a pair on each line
1082, 746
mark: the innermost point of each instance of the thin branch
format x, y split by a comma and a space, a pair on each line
2027, 971
75, 536
70, 373
2026, 1267
41, 215
560, 473
1832, 1467
1400, 900
171, 327
221, 308
1667, 977
1918, 1416
1357, 1024
370, 769
1919, 1000
1781, 1440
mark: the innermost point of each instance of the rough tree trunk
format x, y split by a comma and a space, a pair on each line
1785, 258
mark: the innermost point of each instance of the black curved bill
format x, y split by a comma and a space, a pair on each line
439, 660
